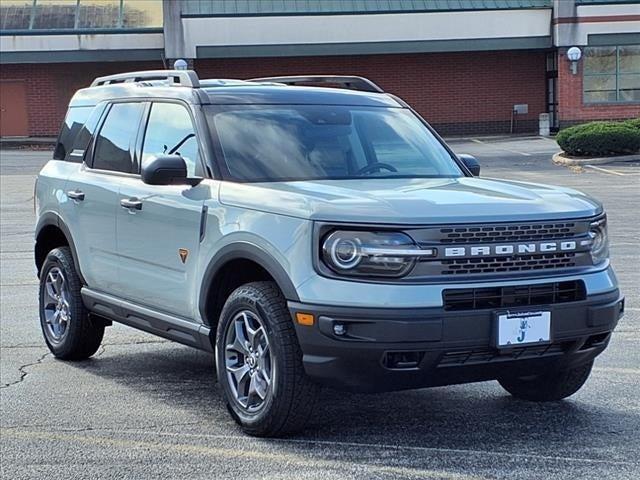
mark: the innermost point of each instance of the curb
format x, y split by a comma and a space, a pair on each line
558, 159
15, 143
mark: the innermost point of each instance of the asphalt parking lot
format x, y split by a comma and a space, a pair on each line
146, 408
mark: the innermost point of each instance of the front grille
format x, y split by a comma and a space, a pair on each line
507, 233
520, 263
513, 296
514, 249
492, 355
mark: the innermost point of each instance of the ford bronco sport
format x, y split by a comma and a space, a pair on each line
312, 236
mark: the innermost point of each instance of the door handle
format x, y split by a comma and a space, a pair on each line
131, 203
77, 195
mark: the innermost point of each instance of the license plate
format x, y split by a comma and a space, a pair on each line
523, 328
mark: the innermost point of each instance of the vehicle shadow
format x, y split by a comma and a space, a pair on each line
477, 417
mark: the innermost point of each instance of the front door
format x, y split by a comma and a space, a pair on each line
159, 226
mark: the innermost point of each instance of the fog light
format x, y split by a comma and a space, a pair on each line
339, 329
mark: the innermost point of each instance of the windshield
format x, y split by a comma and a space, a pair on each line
320, 142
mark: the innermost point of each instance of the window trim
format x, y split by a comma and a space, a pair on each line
617, 77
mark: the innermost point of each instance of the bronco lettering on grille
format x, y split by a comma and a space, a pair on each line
519, 248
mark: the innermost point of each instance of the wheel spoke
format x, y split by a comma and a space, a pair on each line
264, 357
53, 318
265, 377
59, 284
255, 390
251, 332
238, 372
51, 290
65, 300
239, 344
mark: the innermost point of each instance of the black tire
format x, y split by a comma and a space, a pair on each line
548, 387
82, 335
291, 396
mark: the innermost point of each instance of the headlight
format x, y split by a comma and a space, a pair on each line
355, 253
599, 240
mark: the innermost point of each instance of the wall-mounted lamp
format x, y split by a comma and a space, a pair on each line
574, 54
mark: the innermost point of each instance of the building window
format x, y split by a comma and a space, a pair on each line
62, 15
612, 74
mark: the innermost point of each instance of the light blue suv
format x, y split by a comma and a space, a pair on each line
312, 236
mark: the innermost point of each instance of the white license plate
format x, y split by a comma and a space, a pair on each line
522, 328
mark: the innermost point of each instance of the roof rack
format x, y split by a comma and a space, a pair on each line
185, 78
350, 82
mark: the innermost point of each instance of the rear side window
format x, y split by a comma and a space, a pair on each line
73, 123
116, 138
83, 139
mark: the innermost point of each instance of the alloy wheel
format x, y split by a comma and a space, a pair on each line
248, 360
57, 309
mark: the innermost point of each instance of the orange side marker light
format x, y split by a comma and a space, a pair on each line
304, 319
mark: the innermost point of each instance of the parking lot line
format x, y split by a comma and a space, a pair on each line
604, 170
500, 148
234, 453
83, 437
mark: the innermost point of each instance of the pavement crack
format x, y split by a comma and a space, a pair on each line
138, 342
22, 370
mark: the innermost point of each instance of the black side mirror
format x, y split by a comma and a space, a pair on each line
471, 163
166, 170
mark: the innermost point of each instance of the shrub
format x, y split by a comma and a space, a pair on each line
600, 138
635, 123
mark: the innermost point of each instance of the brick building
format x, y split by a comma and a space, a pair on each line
466, 65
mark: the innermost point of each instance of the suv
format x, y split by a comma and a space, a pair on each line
312, 236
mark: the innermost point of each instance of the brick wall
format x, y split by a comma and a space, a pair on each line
458, 93
49, 87
572, 110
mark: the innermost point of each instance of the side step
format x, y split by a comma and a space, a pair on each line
143, 318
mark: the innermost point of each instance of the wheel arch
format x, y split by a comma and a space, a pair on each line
52, 232
249, 254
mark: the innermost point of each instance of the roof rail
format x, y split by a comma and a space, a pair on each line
185, 78
350, 82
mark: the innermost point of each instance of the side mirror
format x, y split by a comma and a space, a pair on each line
471, 163
166, 170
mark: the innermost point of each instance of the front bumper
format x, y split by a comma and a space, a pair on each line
386, 349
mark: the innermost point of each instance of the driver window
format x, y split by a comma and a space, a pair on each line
170, 131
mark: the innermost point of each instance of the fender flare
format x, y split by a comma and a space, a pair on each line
53, 219
245, 251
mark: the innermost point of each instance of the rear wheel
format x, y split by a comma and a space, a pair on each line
548, 386
259, 363
68, 330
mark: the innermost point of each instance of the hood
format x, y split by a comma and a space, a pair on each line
411, 201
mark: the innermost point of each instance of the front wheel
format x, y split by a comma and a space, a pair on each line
259, 363
550, 386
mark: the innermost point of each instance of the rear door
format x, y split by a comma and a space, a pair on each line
158, 238
91, 201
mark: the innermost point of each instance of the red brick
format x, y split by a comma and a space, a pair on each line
571, 107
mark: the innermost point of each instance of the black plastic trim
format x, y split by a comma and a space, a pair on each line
181, 330
355, 357
246, 251
53, 219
